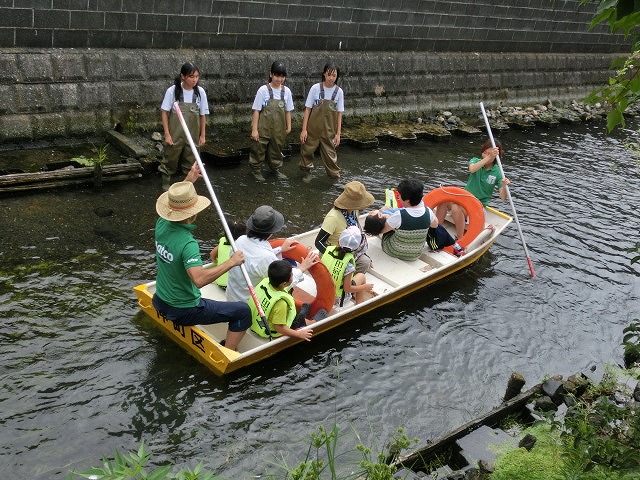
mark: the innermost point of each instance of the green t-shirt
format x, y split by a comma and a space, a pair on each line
483, 182
176, 251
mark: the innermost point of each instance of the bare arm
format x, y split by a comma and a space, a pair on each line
165, 127
201, 276
305, 334
488, 156
305, 121
287, 121
203, 127
255, 115
336, 139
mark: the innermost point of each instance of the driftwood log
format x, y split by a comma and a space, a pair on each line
22, 182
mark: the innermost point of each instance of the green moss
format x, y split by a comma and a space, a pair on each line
544, 461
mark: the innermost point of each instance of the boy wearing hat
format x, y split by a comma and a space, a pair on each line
344, 214
341, 263
258, 254
180, 273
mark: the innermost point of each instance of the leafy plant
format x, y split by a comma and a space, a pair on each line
132, 466
623, 89
99, 159
631, 344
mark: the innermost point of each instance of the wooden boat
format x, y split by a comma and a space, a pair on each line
392, 279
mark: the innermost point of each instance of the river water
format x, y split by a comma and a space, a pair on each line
84, 373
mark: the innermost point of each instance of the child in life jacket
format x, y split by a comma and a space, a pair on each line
341, 264
222, 252
278, 305
437, 237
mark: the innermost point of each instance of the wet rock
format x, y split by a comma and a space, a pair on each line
544, 404
527, 442
103, 212
514, 386
554, 389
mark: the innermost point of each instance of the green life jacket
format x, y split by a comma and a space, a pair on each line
224, 254
337, 266
268, 297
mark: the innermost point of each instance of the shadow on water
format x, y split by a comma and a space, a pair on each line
85, 373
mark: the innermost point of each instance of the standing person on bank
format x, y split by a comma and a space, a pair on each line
192, 100
180, 273
270, 123
484, 178
322, 124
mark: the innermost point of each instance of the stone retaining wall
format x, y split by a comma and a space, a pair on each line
554, 26
53, 93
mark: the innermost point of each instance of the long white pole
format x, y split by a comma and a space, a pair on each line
263, 318
513, 208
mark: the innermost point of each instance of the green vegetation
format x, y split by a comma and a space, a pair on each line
97, 160
623, 89
598, 439
134, 467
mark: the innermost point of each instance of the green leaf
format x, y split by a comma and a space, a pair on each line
615, 118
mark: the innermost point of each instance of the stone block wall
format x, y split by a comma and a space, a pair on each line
552, 26
78, 92
72, 68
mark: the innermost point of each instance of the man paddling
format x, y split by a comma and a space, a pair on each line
180, 272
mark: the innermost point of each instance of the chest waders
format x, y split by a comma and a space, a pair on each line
179, 155
321, 130
272, 131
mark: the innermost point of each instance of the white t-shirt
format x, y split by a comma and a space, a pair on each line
169, 98
395, 219
262, 98
313, 98
258, 255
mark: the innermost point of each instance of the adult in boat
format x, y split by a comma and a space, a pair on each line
405, 230
180, 272
258, 253
484, 178
344, 214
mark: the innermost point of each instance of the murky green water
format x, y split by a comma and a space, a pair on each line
84, 373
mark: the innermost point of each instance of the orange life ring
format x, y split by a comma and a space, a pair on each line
325, 289
459, 196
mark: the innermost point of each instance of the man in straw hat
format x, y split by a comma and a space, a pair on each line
180, 272
344, 214
258, 254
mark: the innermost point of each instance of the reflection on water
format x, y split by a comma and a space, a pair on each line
85, 373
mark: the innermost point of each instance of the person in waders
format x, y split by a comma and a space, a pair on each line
270, 123
192, 100
322, 124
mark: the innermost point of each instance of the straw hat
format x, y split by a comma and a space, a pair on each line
265, 219
354, 197
180, 202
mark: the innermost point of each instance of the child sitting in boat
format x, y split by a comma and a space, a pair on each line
222, 252
341, 263
437, 237
278, 305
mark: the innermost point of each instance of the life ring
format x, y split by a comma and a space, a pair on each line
325, 289
466, 200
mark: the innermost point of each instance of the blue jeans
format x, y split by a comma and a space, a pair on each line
237, 314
